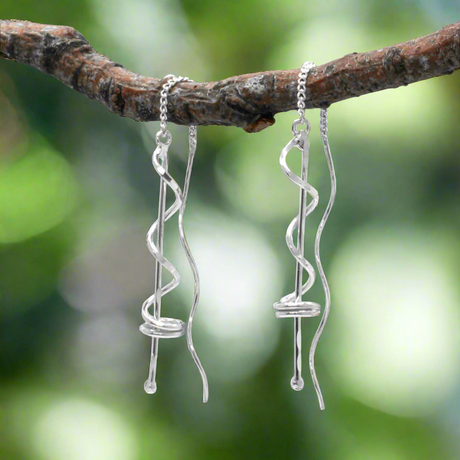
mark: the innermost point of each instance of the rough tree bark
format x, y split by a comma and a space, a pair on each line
247, 101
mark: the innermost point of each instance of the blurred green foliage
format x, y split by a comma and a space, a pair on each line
77, 194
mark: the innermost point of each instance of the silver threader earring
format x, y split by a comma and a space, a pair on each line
156, 326
292, 305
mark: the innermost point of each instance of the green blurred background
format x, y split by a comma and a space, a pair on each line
78, 193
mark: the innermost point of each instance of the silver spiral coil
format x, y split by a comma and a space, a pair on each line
292, 305
162, 327
156, 326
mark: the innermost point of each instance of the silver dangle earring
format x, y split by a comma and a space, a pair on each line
292, 305
156, 326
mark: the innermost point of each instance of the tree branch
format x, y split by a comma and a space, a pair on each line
248, 101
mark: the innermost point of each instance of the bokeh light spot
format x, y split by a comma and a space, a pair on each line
375, 450
37, 192
112, 272
80, 429
395, 319
240, 280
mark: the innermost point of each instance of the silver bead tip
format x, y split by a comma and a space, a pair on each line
150, 387
297, 383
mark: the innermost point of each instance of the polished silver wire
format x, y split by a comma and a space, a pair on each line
155, 326
292, 304
327, 291
192, 263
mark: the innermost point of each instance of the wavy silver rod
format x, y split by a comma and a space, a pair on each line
327, 291
192, 263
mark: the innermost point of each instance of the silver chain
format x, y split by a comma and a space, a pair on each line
301, 88
172, 80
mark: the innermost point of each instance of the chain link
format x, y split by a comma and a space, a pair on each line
172, 80
301, 88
